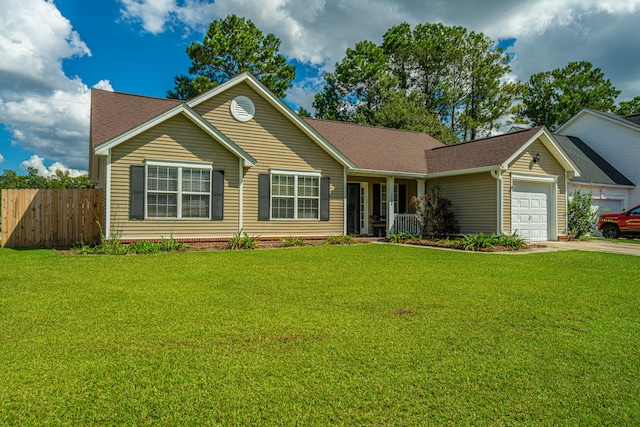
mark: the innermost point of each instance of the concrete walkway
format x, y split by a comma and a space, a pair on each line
593, 246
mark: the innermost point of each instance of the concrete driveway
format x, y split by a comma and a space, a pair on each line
594, 246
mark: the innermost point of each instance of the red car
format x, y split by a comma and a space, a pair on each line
614, 224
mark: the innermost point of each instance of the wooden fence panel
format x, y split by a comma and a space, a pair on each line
51, 218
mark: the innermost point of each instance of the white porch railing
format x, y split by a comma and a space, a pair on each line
407, 223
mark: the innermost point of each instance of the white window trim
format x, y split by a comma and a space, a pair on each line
295, 174
180, 165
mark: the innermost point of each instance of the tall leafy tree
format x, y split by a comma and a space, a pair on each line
459, 74
627, 108
553, 97
352, 92
231, 46
456, 76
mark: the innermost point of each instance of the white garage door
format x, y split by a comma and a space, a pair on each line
530, 207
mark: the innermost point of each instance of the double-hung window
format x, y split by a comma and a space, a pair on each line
178, 191
295, 195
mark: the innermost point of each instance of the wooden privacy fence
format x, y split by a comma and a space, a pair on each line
51, 218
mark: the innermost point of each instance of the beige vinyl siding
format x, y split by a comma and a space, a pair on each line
102, 184
176, 139
276, 143
547, 166
473, 200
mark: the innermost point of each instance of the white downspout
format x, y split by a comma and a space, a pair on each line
240, 194
344, 201
107, 220
497, 174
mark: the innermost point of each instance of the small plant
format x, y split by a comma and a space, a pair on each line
401, 237
143, 247
342, 239
293, 241
474, 242
511, 241
171, 244
242, 241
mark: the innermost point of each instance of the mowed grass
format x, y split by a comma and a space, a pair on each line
360, 335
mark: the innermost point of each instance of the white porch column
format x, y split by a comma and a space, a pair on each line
422, 187
390, 203
422, 190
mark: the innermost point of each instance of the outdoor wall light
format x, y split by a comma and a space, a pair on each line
536, 158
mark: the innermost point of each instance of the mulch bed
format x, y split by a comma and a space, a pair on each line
450, 244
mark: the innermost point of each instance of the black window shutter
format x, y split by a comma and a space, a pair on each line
402, 198
264, 194
136, 192
324, 198
217, 195
376, 200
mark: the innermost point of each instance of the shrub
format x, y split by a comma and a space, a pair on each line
342, 239
473, 242
114, 246
433, 211
143, 247
511, 241
293, 241
243, 241
581, 216
401, 237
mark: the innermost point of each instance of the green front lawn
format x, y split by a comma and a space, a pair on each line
359, 335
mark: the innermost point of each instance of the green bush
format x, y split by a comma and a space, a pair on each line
114, 246
581, 217
401, 237
242, 241
342, 239
511, 241
433, 211
293, 241
473, 242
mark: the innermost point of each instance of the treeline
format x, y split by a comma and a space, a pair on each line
455, 85
447, 81
11, 180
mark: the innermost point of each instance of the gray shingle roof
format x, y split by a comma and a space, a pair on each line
634, 118
593, 168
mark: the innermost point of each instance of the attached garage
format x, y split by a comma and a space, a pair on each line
532, 208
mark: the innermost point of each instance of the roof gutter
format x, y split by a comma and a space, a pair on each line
374, 172
467, 171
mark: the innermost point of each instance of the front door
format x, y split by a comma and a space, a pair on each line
353, 208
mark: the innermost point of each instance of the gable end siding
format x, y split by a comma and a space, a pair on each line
617, 144
547, 166
177, 139
474, 201
276, 143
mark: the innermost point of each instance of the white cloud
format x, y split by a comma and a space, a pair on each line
549, 33
44, 110
303, 92
1, 158
34, 39
36, 162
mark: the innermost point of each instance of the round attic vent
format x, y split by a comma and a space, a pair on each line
242, 108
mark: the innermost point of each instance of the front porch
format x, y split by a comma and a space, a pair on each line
370, 199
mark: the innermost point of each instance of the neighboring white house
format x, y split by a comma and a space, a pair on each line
610, 145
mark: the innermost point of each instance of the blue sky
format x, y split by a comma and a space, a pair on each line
53, 52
